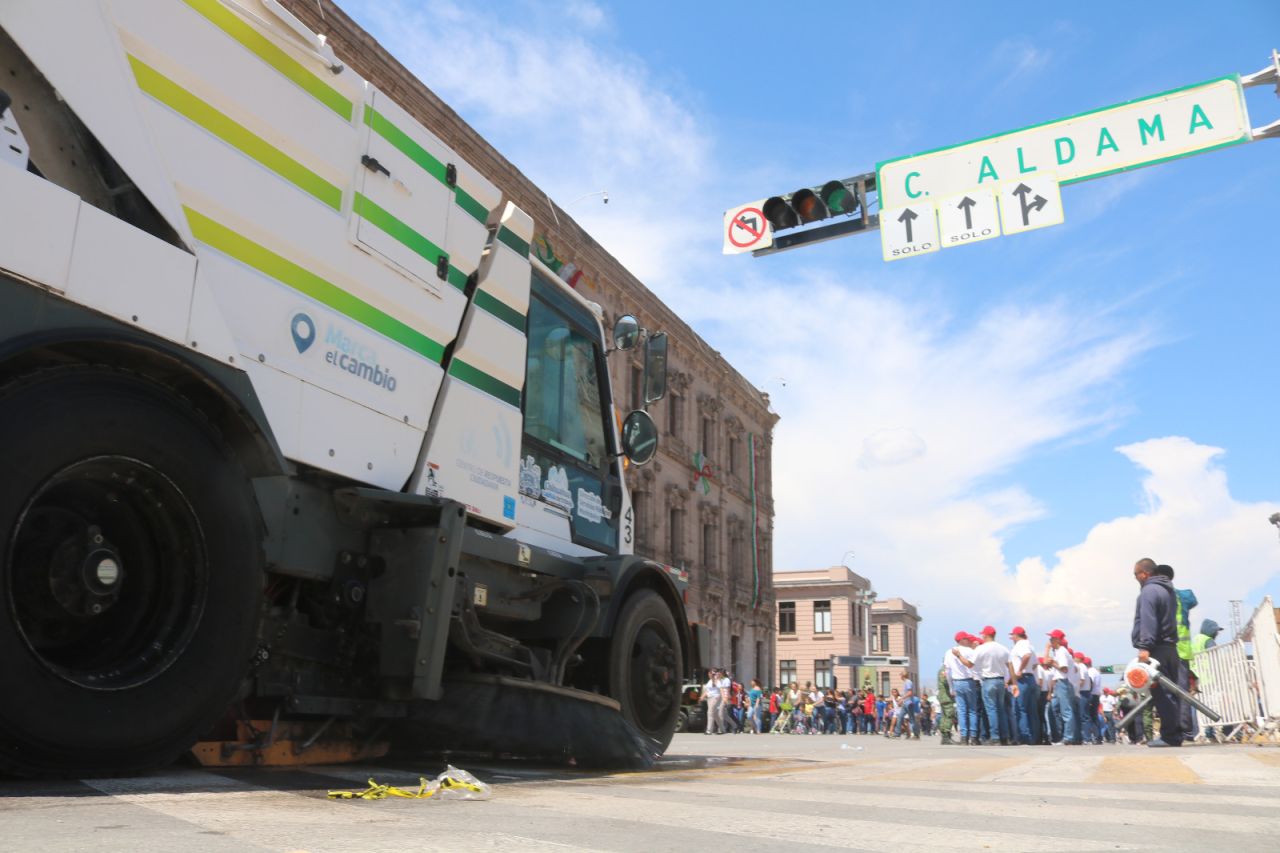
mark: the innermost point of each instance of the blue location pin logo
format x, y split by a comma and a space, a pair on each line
304, 331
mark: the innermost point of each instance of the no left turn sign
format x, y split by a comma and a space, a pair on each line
746, 229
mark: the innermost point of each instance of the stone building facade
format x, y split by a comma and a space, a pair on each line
717, 522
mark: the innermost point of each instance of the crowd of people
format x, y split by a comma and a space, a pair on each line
989, 693
813, 710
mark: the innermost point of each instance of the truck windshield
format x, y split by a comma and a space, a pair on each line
562, 399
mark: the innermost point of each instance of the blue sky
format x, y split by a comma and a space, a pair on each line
997, 431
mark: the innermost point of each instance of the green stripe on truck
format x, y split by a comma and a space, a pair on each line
217, 236
477, 378
255, 42
234, 134
409, 147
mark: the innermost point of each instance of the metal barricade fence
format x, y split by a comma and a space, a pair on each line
1226, 677
1263, 633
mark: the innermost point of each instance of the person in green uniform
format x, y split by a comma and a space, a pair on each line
947, 718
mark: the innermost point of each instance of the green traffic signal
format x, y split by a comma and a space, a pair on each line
839, 198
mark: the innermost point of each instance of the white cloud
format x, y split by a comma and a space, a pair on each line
891, 447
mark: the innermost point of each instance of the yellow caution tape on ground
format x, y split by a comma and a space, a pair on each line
426, 790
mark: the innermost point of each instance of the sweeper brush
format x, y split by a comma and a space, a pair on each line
510, 719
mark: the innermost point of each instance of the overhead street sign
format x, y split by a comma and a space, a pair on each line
967, 218
909, 231
746, 229
1030, 203
1138, 133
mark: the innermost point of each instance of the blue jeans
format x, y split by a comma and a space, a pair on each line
993, 699
908, 711
1065, 698
1027, 709
966, 696
1088, 724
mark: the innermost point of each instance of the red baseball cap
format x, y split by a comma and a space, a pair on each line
1078, 655
1057, 634
1044, 661
1088, 660
988, 631
1018, 631
961, 636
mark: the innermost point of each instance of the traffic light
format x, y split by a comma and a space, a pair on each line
804, 206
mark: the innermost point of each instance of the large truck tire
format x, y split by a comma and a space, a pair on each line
131, 574
644, 666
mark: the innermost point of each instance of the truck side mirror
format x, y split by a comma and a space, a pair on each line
626, 332
655, 368
639, 437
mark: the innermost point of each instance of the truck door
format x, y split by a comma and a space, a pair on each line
568, 477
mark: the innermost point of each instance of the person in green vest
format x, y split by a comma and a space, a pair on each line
1201, 642
948, 705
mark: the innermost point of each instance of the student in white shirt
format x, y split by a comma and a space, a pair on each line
1083, 685
991, 662
1108, 704
964, 688
1022, 662
1064, 678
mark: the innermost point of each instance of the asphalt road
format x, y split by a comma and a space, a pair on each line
731, 792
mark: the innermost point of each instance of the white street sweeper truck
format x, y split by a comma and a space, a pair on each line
300, 450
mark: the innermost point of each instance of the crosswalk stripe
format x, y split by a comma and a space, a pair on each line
996, 809
1086, 793
961, 770
749, 821
1143, 770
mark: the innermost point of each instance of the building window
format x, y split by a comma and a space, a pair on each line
674, 535
708, 546
675, 412
786, 672
735, 664
822, 673
787, 617
856, 621
735, 447
822, 617
708, 437
875, 639
884, 684
884, 638
757, 670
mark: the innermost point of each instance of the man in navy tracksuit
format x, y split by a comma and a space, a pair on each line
1155, 635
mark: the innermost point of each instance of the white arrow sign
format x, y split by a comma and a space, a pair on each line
1034, 203
968, 218
908, 231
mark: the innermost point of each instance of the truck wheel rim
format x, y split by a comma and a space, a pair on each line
107, 573
652, 677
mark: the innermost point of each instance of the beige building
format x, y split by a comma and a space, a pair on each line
716, 521
895, 632
822, 616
